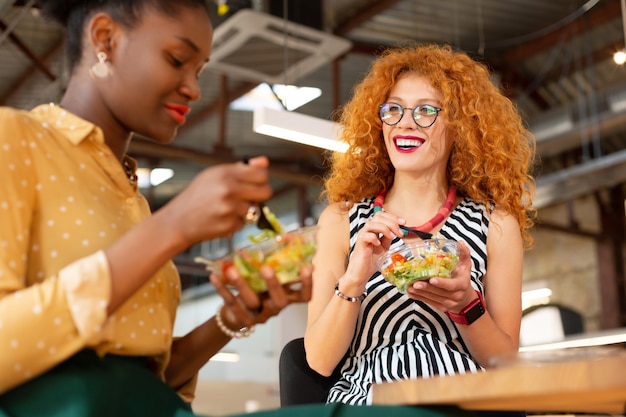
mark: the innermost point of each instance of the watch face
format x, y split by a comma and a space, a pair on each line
470, 313
474, 313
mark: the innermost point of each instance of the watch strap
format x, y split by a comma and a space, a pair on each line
471, 312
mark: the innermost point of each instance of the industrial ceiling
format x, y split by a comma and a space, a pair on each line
554, 59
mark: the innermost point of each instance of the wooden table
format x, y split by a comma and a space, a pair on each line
587, 382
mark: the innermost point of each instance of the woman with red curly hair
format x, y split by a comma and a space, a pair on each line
436, 146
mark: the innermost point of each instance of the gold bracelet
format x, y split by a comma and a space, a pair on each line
347, 297
243, 332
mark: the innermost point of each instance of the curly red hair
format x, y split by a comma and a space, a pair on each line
493, 151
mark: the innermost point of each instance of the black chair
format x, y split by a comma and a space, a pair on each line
298, 383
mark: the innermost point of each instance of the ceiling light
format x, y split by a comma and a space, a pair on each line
619, 57
225, 357
535, 297
277, 97
299, 128
154, 177
293, 97
535, 293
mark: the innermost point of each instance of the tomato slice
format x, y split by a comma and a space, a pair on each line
396, 257
225, 266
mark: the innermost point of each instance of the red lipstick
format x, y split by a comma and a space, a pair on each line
407, 144
178, 112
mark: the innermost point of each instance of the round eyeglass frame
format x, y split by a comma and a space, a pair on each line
416, 116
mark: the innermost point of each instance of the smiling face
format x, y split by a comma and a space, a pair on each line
412, 148
155, 69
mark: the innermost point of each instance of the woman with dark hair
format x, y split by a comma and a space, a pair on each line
434, 145
88, 291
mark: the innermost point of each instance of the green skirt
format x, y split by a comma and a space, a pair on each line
115, 386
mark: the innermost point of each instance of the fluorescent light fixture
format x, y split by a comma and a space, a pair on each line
262, 95
225, 357
535, 293
147, 177
299, 128
535, 297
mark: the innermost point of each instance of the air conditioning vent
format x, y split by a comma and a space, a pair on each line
256, 46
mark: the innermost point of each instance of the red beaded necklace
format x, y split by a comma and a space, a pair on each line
443, 212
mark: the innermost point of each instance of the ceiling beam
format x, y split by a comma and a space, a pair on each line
28, 52
140, 147
514, 83
509, 65
362, 16
598, 55
583, 179
28, 74
594, 18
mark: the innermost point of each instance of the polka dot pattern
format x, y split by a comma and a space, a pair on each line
64, 197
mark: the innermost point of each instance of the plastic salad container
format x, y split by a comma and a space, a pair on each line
417, 261
286, 253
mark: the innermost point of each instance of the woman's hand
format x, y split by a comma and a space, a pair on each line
448, 294
244, 307
372, 241
217, 199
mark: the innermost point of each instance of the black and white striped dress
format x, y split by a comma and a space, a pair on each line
400, 338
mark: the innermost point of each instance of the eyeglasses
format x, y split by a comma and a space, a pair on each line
424, 115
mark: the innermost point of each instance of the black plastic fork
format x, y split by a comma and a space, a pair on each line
263, 222
418, 233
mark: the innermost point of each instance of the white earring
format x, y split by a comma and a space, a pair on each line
102, 68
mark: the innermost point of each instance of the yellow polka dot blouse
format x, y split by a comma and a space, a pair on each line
64, 197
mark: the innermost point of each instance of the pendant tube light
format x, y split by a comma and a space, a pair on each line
297, 127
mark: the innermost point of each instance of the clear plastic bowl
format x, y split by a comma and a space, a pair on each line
418, 261
286, 253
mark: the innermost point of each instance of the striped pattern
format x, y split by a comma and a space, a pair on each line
399, 338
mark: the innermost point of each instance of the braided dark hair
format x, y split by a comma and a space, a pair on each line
73, 14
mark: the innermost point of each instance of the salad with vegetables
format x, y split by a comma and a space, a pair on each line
286, 253
418, 261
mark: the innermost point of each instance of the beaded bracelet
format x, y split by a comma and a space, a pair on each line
347, 297
243, 332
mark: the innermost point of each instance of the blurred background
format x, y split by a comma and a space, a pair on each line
559, 61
